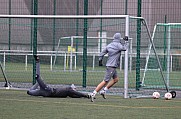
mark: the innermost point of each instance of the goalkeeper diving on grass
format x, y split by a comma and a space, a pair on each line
41, 89
114, 52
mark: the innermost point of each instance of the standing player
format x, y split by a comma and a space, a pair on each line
114, 52
47, 91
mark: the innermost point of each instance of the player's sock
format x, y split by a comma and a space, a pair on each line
105, 89
103, 92
89, 96
92, 95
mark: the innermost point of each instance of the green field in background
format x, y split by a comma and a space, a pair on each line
17, 72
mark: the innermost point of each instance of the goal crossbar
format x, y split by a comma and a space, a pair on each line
69, 16
167, 24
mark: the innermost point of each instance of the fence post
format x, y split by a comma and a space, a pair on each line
35, 39
85, 44
54, 23
138, 46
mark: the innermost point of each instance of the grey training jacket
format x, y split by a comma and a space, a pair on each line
114, 51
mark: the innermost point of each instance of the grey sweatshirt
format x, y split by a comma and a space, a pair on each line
114, 51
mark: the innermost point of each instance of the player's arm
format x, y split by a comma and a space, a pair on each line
101, 56
124, 45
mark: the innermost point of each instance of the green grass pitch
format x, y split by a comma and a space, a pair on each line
16, 104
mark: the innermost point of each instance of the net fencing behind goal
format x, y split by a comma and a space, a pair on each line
72, 47
69, 46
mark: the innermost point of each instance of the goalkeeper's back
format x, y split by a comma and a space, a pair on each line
114, 51
60, 92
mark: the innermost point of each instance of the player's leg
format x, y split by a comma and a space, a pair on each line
114, 81
44, 90
109, 73
42, 85
35, 92
35, 86
75, 94
38, 92
111, 83
98, 88
38, 78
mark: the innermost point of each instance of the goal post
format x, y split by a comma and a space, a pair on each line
166, 35
66, 28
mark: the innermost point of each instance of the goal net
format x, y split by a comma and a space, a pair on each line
166, 38
69, 48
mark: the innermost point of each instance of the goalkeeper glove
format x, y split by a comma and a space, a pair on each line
125, 38
100, 63
36, 58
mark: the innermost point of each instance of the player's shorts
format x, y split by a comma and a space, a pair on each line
110, 73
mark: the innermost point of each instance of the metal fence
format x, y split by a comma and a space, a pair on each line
19, 34
154, 11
